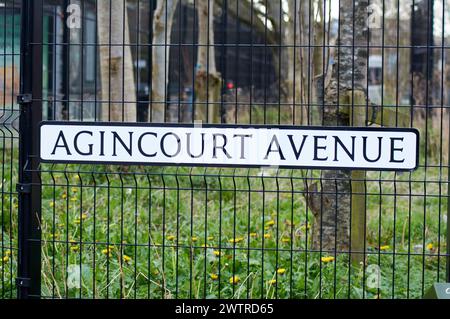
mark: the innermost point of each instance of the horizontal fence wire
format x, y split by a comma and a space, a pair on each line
135, 232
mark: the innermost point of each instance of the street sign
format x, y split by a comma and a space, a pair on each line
438, 291
230, 146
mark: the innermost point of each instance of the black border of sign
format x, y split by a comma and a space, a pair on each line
236, 126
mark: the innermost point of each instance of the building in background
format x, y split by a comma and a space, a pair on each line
72, 82
9, 63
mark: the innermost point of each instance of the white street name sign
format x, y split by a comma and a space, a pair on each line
230, 146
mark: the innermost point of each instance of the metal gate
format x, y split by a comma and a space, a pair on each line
118, 231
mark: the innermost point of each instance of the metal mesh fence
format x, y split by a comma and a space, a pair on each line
9, 114
116, 231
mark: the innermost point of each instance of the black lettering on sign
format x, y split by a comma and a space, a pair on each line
189, 141
278, 149
297, 152
216, 147
317, 148
90, 146
128, 149
351, 154
163, 146
243, 137
57, 145
102, 143
395, 149
141, 150
380, 141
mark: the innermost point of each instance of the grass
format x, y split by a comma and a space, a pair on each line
186, 234
230, 233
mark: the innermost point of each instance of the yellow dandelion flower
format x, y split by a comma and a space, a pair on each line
216, 253
8, 253
270, 223
281, 271
273, 282
327, 259
77, 221
52, 204
430, 246
126, 258
75, 248
107, 252
73, 199
253, 235
5, 259
236, 240
84, 216
204, 245
194, 239
285, 240
267, 236
74, 190
235, 280
211, 238
266, 228
384, 248
214, 276
64, 196
171, 238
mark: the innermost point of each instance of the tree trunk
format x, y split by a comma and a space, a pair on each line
292, 70
331, 206
305, 61
162, 31
319, 64
116, 63
207, 80
280, 51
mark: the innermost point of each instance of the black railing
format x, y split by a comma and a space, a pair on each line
118, 231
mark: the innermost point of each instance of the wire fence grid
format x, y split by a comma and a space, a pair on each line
135, 232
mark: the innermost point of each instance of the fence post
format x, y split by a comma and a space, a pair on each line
358, 186
29, 188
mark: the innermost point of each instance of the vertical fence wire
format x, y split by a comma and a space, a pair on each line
110, 231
